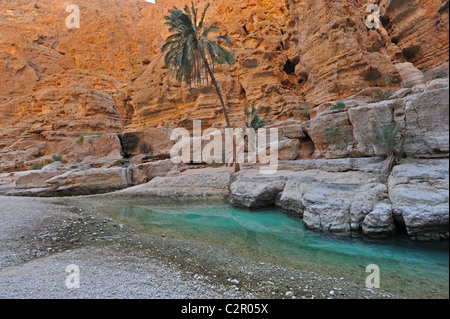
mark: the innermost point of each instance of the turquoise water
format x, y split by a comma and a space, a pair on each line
411, 268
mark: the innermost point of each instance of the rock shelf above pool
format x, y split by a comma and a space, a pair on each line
342, 200
339, 196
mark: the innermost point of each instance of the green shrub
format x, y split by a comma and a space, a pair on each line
81, 138
57, 158
392, 144
338, 106
36, 167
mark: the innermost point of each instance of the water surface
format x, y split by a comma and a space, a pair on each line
408, 267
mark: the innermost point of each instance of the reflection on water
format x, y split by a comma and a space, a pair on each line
411, 268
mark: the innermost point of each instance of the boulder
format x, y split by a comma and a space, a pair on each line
366, 198
288, 150
291, 197
292, 131
327, 206
58, 179
331, 134
426, 115
90, 181
334, 207
256, 192
409, 73
37, 178
142, 173
364, 119
33, 179
419, 192
200, 184
379, 222
399, 94
149, 141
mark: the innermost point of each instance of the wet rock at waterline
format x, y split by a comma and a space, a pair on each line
339, 208
330, 196
256, 192
379, 222
196, 185
345, 202
419, 193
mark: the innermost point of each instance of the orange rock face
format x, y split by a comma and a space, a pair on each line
58, 83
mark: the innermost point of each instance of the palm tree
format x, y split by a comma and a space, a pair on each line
386, 138
191, 54
254, 120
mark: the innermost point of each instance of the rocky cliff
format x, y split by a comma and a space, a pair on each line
100, 99
58, 83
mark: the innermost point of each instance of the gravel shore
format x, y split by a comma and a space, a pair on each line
40, 237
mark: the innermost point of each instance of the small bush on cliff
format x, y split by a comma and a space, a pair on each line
36, 167
389, 140
57, 158
81, 138
338, 106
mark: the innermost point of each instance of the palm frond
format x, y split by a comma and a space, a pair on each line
254, 120
386, 139
189, 48
389, 140
208, 29
219, 54
200, 25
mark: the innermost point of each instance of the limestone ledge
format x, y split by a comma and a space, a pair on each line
345, 200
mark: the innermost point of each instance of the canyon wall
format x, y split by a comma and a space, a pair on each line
108, 76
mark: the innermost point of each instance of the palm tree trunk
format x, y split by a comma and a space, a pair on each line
224, 108
388, 166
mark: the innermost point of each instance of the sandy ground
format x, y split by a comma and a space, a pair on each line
40, 237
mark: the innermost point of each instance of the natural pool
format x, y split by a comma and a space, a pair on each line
413, 269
